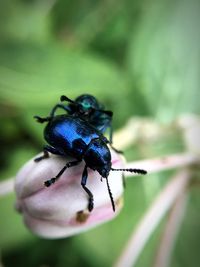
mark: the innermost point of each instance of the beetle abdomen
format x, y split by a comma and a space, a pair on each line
69, 134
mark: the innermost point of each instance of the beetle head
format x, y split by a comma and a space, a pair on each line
87, 104
104, 172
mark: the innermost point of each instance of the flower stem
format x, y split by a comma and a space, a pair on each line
163, 202
164, 163
171, 231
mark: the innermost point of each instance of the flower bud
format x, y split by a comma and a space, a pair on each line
61, 209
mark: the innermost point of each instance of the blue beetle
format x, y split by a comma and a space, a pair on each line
87, 107
72, 135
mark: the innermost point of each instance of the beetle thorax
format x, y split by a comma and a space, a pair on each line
98, 157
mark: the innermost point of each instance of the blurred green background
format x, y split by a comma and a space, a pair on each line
140, 58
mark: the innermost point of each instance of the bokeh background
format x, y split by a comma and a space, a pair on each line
140, 58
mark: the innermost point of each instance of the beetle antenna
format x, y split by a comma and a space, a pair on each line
139, 171
110, 194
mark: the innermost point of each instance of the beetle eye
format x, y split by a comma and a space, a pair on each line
86, 105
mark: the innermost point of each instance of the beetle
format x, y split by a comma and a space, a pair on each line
90, 109
71, 135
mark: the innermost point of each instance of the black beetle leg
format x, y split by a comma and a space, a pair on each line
110, 134
67, 165
123, 180
83, 183
52, 113
44, 156
109, 125
116, 150
47, 149
108, 142
65, 98
41, 120
111, 141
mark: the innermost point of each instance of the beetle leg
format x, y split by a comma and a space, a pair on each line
107, 112
67, 165
47, 149
83, 183
108, 142
65, 98
45, 154
123, 180
41, 120
110, 134
116, 150
111, 140
107, 124
52, 113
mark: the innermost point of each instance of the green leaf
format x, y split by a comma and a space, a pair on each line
36, 76
164, 57
33, 77
25, 21
12, 230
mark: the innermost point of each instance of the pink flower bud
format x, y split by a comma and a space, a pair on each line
61, 209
